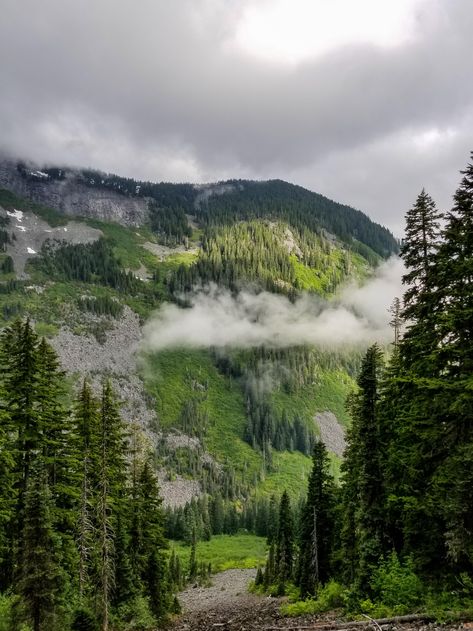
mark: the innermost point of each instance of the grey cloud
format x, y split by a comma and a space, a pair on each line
155, 90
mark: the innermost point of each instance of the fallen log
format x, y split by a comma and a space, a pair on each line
366, 624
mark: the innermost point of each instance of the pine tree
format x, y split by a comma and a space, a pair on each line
192, 573
111, 447
40, 583
455, 285
396, 320
153, 543
285, 541
86, 420
7, 500
454, 366
364, 491
419, 249
316, 525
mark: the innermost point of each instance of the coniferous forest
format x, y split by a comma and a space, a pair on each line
81, 530
83, 534
397, 534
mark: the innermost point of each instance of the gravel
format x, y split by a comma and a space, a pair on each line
332, 433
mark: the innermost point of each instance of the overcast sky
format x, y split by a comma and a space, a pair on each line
365, 101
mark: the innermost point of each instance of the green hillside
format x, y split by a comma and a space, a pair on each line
248, 416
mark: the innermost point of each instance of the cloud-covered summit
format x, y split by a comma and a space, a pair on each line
203, 90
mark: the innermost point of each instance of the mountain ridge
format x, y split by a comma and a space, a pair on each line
109, 197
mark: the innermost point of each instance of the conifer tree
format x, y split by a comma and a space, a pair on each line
111, 447
316, 525
454, 366
420, 245
364, 489
192, 573
86, 421
40, 578
285, 541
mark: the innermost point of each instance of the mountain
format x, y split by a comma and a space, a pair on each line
89, 256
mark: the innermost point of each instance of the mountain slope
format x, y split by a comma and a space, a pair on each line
236, 423
130, 202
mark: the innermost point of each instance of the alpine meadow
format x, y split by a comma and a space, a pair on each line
236, 290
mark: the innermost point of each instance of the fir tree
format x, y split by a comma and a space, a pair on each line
364, 492
40, 578
316, 525
285, 541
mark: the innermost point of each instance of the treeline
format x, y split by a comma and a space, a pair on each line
101, 305
81, 525
236, 255
216, 515
399, 531
169, 223
239, 200
267, 429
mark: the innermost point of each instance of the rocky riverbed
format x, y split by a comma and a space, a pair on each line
228, 606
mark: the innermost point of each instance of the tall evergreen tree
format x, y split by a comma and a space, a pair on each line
316, 525
364, 490
111, 448
86, 420
40, 578
454, 366
285, 541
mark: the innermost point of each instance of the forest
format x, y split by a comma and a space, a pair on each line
238, 200
84, 536
396, 536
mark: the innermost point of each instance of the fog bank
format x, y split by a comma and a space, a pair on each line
357, 317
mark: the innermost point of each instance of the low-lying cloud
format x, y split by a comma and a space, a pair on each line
218, 318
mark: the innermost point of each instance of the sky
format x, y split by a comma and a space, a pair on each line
366, 102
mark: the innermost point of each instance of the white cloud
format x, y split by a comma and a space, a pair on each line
220, 319
291, 31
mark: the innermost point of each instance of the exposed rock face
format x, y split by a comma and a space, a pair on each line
74, 198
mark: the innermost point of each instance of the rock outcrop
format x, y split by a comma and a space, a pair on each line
74, 198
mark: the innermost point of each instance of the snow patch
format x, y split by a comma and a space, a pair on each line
30, 250
21, 228
17, 214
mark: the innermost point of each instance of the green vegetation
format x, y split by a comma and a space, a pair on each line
174, 376
81, 526
225, 552
127, 244
398, 539
242, 200
259, 252
302, 209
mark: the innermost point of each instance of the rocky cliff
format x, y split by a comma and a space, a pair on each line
74, 198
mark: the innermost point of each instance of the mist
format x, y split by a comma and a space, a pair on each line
217, 318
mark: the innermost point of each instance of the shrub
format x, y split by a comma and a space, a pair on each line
331, 596
396, 585
134, 615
